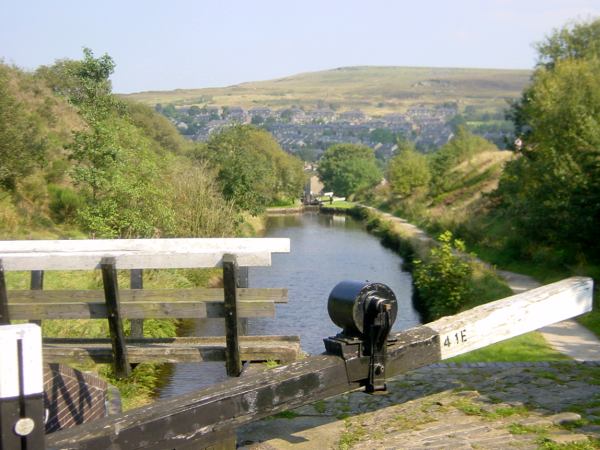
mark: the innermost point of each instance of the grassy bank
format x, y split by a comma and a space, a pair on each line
140, 388
485, 286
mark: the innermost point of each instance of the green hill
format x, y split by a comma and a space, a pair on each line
75, 161
374, 90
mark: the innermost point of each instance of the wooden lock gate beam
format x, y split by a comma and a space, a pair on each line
201, 418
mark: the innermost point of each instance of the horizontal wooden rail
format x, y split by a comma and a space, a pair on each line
276, 295
86, 254
172, 350
142, 304
196, 418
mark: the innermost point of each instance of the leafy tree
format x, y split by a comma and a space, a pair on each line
382, 135
408, 170
348, 168
252, 169
552, 191
443, 282
576, 41
95, 150
114, 166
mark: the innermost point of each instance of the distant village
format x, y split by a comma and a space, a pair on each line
307, 133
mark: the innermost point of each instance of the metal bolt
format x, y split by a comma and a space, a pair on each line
24, 426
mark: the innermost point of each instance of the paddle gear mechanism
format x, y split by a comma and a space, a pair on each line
366, 312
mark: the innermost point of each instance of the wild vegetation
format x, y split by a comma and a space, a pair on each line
348, 168
252, 169
76, 161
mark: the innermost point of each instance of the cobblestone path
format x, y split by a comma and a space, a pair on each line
467, 406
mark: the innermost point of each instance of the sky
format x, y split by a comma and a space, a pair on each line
162, 45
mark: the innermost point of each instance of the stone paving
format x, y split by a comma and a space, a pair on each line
450, 406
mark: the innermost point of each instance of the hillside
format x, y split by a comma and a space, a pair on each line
374, 90
461, 173
75, 161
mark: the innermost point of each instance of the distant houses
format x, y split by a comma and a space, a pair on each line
298, 129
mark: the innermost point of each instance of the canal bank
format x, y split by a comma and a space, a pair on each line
568, 337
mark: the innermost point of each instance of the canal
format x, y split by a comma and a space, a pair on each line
325, 249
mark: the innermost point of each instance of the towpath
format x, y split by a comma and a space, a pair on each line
568, 337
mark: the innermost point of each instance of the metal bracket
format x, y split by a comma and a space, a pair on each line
363, 364
366, 312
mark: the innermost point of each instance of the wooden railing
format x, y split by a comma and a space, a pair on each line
230, 303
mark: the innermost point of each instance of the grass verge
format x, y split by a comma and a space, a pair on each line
140, 387
530, 347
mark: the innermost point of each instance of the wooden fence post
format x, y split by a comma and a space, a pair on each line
233, 363
136, 281
4, 317
243, 282
37, 284
21, 388
115, 324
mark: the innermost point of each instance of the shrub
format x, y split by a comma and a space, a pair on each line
64, 203
443, 283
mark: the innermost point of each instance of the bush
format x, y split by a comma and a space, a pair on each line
64, 203
443, 283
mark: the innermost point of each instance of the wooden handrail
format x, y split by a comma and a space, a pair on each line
85, 254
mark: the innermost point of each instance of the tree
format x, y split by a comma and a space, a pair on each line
576, 41
408, 170
443, 282
94, 150
115, 168
552, 191
348, 168
252, 169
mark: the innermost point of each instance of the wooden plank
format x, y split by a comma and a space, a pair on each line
512, 316
219, 245
233, 362
126, 260
136, 281
115, 323
138, 253
173, 350
37, 284
192, 417
277, 295
137, 310
4, 311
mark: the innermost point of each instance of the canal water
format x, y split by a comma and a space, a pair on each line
325, 249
